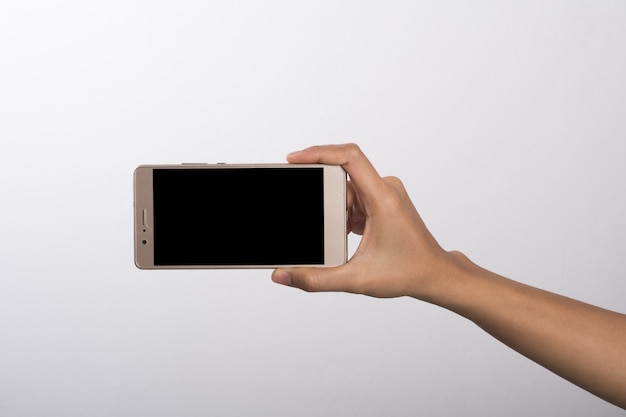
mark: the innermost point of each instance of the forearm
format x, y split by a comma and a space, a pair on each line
580, 342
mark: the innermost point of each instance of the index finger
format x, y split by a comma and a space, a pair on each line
363, 175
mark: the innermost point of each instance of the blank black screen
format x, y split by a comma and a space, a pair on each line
238, 216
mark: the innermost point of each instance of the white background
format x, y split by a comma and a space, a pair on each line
506, 121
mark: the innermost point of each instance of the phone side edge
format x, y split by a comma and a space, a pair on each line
335, 216
143, 217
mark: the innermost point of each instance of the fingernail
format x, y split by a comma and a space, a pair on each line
293, 153
281, 277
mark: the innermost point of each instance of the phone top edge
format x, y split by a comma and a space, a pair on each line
223, 165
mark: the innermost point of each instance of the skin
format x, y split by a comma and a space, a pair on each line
398, 256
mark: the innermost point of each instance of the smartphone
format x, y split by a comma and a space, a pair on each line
239, 216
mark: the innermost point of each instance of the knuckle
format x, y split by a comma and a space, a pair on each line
395, 182
352, 150
396, 193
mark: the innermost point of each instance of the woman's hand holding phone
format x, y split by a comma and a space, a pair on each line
398, 256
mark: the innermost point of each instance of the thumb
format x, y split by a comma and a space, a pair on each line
314, 279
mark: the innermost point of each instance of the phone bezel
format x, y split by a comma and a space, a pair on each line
335, 217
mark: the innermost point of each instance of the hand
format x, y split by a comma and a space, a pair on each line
397, 255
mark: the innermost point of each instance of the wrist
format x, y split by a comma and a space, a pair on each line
448, 274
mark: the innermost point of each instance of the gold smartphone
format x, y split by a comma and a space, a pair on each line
193, 216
